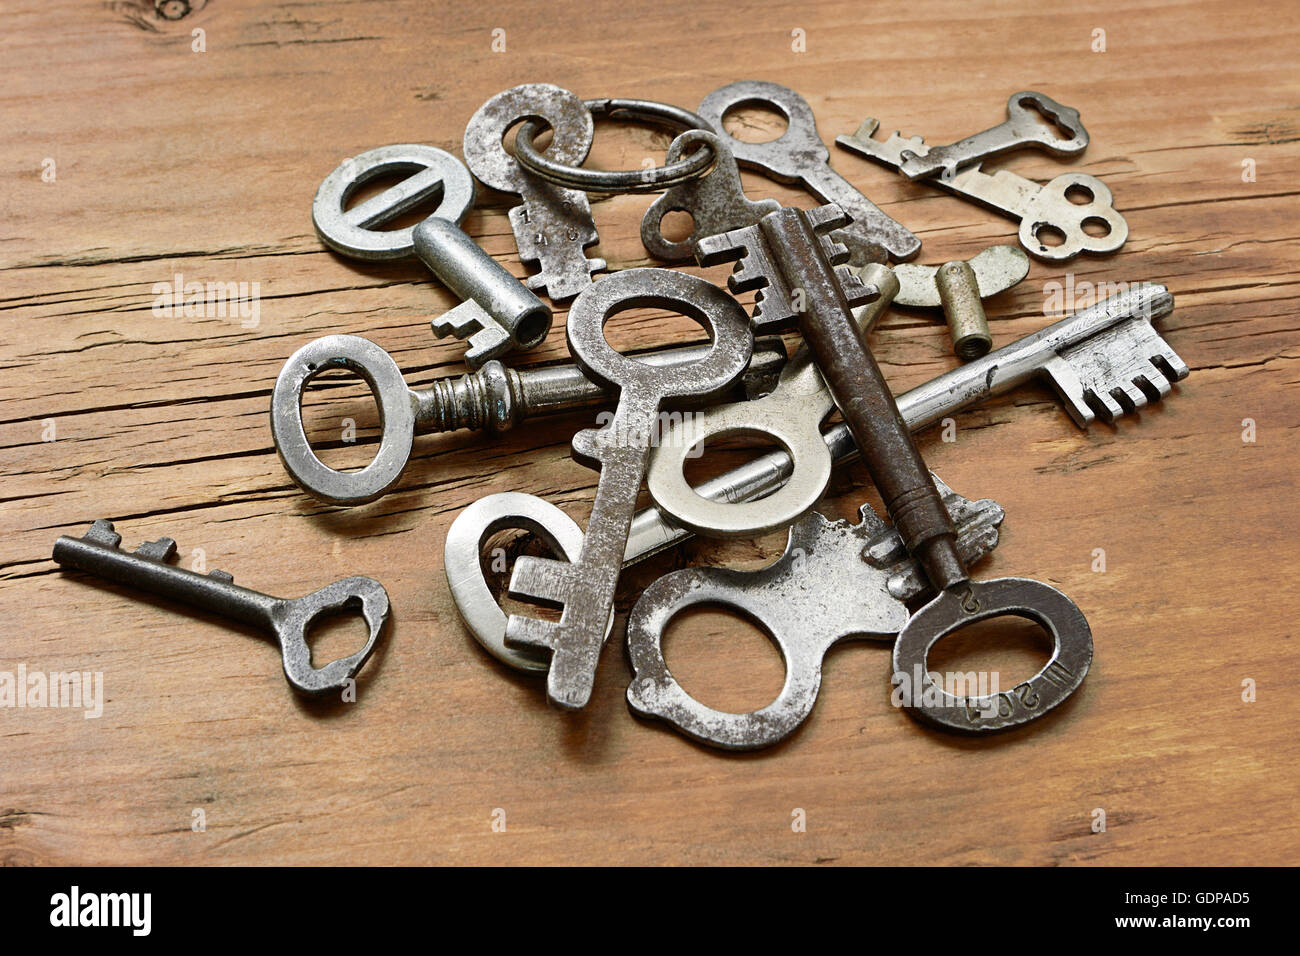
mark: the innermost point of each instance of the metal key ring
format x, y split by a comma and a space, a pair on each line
694, 166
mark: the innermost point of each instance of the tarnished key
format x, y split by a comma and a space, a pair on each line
148, 569
798, 272
493, 398
716, 202
1040, 209
1025, 126
836, 581
1104, 361
498, 314
584, 588
799, 156
554, 224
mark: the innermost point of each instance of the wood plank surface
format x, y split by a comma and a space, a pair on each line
129, 158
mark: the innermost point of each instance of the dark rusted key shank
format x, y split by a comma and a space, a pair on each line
864, 399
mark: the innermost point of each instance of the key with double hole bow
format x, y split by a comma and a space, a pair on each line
554, 225
799, 156
148, 568
498, 314
584, 588
1044, 211
798, 276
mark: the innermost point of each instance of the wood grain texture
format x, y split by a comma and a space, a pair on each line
204, 164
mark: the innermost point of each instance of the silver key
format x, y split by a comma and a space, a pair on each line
834, 582
148, 569
799, 156
1103, 362
1024, 127
494, 397
498, 314
1040, 209
584, 588
553, 225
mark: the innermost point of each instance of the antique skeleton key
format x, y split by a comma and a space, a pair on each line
1040, 209
798, 272
799, 156
1022, 128
148, 568
553, 226
584, 588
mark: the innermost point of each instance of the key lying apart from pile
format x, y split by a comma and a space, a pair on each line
825, 273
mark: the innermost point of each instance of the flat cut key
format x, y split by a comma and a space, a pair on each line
584, 588
1024, 126
554, 225
1041, 210
799, 156
1104, 362
148, 569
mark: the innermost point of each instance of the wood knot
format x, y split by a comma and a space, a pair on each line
156, 16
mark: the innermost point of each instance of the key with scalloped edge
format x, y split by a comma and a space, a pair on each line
1041, 210
149, 568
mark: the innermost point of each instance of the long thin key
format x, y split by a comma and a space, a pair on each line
799, 156
799, 600
584, 588
1104, 362
1040, 209
787, 251
494, 398
1025, 126
148, 569
554, 225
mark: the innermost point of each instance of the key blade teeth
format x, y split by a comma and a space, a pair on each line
855, 290
162, 550
101, 532
225, 576
824, 219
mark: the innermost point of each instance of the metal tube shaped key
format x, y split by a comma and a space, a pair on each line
498, 313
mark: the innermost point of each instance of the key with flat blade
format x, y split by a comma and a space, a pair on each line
799, 156
554, 225
584, 588
1103, 362
1025, 126
835, 581
148, 568
1042, 210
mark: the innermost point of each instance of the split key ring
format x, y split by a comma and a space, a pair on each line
684, 170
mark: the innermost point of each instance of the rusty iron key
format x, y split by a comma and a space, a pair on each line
584, 588
148, 568
798, 274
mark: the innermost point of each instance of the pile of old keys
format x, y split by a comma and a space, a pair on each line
823, 271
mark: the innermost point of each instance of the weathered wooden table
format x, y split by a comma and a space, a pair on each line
139, 152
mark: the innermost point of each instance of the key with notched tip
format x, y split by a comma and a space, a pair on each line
148, 568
